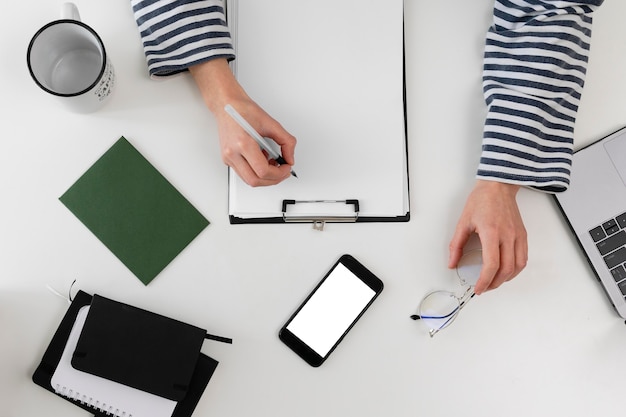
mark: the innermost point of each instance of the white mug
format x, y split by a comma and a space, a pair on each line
67, 59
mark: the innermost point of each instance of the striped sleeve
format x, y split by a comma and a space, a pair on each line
177, 34
535, 62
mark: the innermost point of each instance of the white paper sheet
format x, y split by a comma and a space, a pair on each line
332, 74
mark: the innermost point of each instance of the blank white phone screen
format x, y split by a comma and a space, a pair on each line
331, 310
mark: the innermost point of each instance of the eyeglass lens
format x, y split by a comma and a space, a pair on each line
469, 266
437, 309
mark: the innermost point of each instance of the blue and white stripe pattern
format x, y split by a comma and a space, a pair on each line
535, 62
179, 33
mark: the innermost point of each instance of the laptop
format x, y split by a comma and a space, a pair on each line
595, 208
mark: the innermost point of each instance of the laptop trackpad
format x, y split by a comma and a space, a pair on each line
616, 148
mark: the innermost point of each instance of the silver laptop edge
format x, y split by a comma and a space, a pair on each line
594, 201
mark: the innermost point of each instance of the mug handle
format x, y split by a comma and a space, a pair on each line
70, 11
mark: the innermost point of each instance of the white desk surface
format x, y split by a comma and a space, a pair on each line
548, 343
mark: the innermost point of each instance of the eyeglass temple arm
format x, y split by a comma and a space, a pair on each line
464, 301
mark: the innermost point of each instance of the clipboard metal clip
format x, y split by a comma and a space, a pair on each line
334, 211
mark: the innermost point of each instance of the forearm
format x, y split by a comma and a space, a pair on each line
534, 71
219, 87
217, 84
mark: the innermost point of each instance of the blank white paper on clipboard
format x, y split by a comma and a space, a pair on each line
332, 73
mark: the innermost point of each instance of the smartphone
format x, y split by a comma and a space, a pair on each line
330, 311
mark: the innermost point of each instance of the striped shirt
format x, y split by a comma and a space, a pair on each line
177, 34
536, 55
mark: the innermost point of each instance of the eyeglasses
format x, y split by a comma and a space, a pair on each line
438, 309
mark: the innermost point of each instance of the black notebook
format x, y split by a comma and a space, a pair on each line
114, 393
138, 348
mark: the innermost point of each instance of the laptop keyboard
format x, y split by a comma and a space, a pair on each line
610, 239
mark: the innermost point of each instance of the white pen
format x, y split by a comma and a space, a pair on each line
260, 140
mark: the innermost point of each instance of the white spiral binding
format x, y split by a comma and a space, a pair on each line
90, 402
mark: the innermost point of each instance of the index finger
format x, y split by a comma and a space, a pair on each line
284, 139
245, 172
262, 168
491, 265
460, 238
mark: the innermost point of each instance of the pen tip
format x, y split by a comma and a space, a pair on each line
294, 174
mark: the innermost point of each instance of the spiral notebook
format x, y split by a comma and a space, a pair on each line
102, 394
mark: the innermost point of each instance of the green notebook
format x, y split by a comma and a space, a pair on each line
134, 210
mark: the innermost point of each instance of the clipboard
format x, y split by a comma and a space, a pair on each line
334, 77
